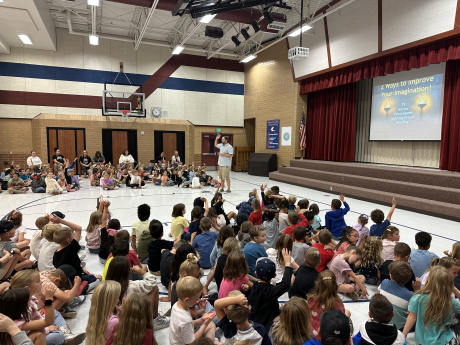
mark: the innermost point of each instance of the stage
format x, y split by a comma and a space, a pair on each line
428, 191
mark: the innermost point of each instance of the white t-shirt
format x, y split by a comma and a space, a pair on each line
34, 161
21, 230
124, 158
175, 159
271, 254
45, 259
196, 182
181, 330
227, 149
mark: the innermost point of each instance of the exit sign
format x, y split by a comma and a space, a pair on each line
218, 130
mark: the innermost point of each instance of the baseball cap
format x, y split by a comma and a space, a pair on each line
5, 226
58, 214
334, 324
265, 269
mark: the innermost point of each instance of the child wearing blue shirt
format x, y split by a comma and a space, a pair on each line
254, 249
380, 225
334, 219
420, 258
204, 242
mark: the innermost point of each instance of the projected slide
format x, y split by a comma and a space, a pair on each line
408, 105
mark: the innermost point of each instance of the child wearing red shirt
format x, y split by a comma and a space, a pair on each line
293, 219
256, 216
325, 239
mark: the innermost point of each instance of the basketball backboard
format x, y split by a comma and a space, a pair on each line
119, 98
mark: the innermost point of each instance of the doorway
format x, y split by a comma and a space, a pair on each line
115, 141
168, 142
210, 153
71, 142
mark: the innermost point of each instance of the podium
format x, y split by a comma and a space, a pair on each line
261, 164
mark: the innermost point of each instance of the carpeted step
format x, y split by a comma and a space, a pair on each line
421, 205
408, 188
420, 176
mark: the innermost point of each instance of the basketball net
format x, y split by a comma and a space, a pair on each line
124, 115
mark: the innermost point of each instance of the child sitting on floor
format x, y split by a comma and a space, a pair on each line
254, 249
52, 187
93, 231
276, 255
380, 225
335, 221
306, 274
204, 242
421, 258
371, 260
157, 246
389, 239
235, 274
20, 230
234, 320
363, 231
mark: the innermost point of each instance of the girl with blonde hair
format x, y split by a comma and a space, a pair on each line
371, 260
58, 329
102, 321
431, 310
293, 325
324, 297
93, 232
135, 326
449, 263
455, 253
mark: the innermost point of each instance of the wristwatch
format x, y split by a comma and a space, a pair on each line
48, 302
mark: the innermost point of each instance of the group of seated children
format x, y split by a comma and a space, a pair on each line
272, 247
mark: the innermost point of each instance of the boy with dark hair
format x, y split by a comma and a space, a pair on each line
204, 242
167, 257
157, 246
325, 248
397, 294
420, 258
380, 225
67, 254
199, 211
264, 296
335, 221
234, 320
306, 274
299, 248
379, 330
295, 219
402, 252
13, 257
143, 213
119, 248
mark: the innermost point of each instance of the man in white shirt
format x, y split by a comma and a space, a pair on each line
34, 160
224, 162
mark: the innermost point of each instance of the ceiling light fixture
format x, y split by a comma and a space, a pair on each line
207, 18
93, 40
245, 34
25, 39
296, 33
177, 50
248, 58
94, 2
236, 41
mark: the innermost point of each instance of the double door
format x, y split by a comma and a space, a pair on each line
70, 141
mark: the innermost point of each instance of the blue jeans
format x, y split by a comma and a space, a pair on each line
157, 183
56, 337
145, 261
94, 251
102, 261
40, 190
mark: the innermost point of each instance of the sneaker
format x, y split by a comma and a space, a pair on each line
77, 301
93, 285
82, 256
354, 296
83, 264
82, 247
160, 322
228, 191
67, 313
221, 190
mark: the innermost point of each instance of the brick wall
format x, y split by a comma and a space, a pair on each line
270, 94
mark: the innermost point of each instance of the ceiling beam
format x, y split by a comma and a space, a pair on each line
146, 24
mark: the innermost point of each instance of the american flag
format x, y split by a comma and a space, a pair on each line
303, 134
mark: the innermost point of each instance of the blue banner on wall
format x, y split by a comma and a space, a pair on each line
273, 134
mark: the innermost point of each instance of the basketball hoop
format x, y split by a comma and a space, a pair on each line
124, 115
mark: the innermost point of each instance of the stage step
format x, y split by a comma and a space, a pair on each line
422, 191
411, 203
419, 176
